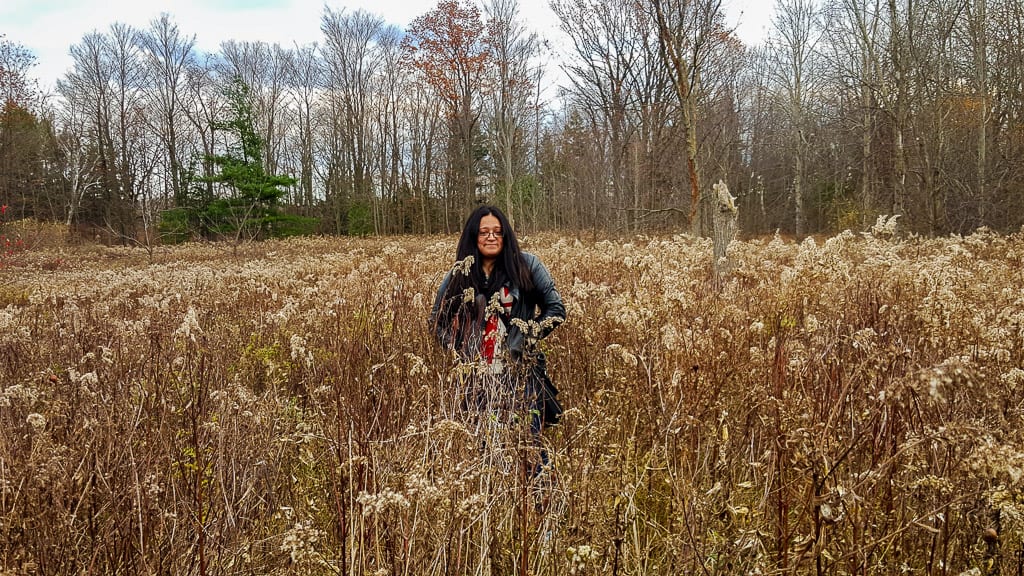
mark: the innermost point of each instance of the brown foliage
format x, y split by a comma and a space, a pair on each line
846, 406
448, 46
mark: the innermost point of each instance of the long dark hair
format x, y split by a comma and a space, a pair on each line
509, 265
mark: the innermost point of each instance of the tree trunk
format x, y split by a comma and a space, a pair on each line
981, 79
896, 50
724, 229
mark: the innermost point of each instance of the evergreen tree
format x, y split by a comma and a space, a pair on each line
251, 208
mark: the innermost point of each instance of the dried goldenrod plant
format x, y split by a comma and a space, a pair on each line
847, 406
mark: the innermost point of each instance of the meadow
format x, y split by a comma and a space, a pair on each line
842, 405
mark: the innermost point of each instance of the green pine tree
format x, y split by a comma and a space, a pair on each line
251, 209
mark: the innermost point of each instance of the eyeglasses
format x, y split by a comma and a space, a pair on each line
490, 233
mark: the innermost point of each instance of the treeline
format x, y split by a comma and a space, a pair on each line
851, 109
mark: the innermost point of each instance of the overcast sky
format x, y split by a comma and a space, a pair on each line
50, 27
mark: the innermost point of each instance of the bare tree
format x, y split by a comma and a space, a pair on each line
1006, 36
901, 33
201, 103
792, 48
129, 106
856, 31
80, 161
106, 82
513, 49
933, 79
390, 84
688, 32
978, 42
351, 58
448, 46
168, 53
426, 131
305, 81
610, 62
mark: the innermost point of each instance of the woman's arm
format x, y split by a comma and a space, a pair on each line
552, 310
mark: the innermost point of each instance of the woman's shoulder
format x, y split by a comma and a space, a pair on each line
532, 262
535, 267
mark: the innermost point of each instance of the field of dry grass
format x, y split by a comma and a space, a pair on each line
848, 406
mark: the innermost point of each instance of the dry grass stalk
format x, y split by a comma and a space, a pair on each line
849, 407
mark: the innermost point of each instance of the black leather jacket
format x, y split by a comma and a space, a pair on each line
542, 305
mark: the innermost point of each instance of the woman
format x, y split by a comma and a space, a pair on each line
493, 307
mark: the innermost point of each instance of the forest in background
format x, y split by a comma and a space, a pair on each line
850, 109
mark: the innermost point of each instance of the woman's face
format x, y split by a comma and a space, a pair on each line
489, 241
